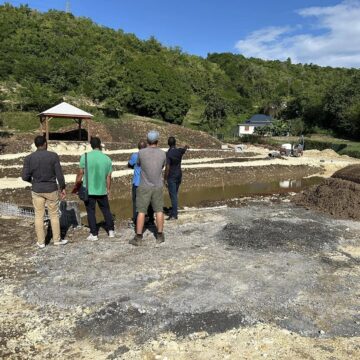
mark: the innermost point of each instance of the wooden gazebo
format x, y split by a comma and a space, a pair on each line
66, 111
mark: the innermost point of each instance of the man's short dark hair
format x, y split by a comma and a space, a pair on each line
39, 141
95, 143
155, 142
142, 144
171, 141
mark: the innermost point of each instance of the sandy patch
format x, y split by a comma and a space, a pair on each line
258, 342
351, 250
124, 163
13, 156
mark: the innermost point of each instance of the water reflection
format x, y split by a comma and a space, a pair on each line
291, 184
201, 196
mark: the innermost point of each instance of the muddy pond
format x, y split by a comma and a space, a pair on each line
205, 196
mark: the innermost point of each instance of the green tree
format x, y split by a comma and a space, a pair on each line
214, 115
36, 96
277, 128
157, 90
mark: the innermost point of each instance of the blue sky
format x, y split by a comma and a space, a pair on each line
325, 32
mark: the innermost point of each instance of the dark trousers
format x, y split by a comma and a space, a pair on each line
133, 193
150, 211
104, 206
173, 187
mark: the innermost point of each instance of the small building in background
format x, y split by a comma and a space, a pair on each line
249, 126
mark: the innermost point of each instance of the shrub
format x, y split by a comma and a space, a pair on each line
252, 139
353, 152
322, 145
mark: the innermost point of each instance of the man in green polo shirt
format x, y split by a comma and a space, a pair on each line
99, 168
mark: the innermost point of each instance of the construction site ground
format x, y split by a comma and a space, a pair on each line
241, 277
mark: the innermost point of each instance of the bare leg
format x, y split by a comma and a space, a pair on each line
160, 221
140, 221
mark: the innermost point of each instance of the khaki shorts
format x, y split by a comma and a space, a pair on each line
145, 196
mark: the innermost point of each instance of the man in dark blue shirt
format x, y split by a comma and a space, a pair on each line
173, 174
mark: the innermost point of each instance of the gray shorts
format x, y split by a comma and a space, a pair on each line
145, 196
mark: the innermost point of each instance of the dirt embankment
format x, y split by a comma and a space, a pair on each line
338, 196
121, 133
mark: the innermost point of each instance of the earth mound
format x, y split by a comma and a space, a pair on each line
326, 153
350, 173
338, 196
71, 132
131, 128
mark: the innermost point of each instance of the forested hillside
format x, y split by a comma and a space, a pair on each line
46, 57
308, 95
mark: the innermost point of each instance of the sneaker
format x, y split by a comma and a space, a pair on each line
171, 218
136, 241
61, 242
92, 237
160, 238
40, 246
111, 233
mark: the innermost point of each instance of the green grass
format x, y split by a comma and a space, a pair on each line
29, 121
193, 117
352, 149
20, 121
132, 117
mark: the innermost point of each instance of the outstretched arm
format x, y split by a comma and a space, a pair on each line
186, 147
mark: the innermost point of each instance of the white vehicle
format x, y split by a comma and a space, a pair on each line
292, 149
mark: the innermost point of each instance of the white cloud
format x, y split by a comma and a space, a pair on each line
332, 40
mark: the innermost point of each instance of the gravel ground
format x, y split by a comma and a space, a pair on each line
263, 271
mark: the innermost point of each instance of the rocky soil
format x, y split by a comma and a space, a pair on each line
257, 277
263, 280
338, 196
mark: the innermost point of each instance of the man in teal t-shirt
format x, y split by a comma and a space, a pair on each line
99, 168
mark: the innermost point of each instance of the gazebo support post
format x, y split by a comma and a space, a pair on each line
47, 128
79, 123
88, 129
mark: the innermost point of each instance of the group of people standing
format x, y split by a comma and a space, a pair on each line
43, 170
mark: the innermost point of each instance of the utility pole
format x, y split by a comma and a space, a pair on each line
67, 7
